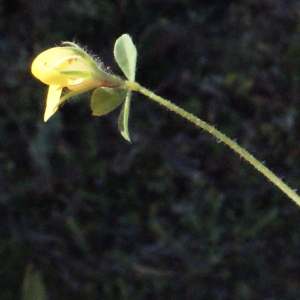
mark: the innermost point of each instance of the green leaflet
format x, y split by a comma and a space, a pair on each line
125, 54
123, 118
104, 100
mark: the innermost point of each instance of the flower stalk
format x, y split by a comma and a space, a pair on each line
134, 86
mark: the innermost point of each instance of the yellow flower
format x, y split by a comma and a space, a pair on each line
71, 68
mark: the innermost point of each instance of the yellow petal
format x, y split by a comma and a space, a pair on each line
42, 66
84, 84
52, 55
47, 75
72, 63
52, 101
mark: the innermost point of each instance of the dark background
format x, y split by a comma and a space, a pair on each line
174, 215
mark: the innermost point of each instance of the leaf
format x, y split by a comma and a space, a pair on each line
104, 100
123, 118
33, 287
125, 55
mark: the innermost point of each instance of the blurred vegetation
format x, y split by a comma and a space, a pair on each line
174, 215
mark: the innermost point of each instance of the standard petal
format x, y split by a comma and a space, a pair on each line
52, 55
42, 66
72, 63
47, 66
47, 75
52, 101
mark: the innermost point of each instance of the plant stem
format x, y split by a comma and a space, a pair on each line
134, 86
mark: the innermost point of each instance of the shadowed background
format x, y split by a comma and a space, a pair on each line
174, 215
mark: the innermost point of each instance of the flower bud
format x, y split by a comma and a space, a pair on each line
72, 68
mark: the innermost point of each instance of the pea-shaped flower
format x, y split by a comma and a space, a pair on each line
72, 68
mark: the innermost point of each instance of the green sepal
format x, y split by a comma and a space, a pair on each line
72, 94
123, 118
104, 100
125, 55
79, 74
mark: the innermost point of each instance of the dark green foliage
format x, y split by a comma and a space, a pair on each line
174, 215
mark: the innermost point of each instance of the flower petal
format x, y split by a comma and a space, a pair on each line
47, 75
72, 63
52, 55
42, 66
52, 101
87, 84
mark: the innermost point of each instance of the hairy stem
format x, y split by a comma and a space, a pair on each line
134, 86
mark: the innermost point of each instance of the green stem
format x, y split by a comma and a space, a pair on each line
220, 136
